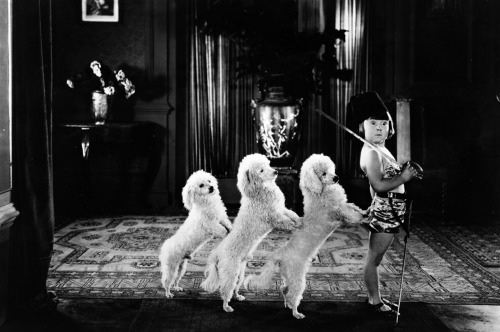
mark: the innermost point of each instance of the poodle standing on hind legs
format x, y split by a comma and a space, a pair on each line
325, 209
262, 209
207, 217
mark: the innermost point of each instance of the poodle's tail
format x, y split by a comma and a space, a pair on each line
211, 282
262, 280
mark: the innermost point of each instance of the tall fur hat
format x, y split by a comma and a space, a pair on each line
367, 105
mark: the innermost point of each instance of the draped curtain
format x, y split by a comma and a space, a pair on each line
350, 15
31, 237
219, 115
320, 135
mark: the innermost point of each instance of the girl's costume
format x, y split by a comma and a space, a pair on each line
387, 209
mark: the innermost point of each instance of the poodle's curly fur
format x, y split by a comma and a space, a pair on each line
262, 209
207, 218
325, 209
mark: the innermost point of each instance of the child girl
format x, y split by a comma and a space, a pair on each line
386, 188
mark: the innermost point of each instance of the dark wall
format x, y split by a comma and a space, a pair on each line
140, 43
77, 43
447, 62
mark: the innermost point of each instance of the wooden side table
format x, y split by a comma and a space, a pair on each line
97, 142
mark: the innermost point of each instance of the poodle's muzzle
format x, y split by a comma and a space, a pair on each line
335, 179
211, 189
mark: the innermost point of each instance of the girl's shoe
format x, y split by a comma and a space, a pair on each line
377, 308
388, 303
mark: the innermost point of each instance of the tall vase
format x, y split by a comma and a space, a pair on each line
278, 126
100, 107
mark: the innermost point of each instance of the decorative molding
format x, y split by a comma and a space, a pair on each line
8, 214
5, 198
403, 133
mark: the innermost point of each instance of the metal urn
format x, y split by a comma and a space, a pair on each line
277, 120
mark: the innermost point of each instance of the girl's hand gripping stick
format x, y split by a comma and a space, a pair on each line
417, 167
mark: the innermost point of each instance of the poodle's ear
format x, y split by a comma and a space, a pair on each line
187, 196
311, 181
246, 182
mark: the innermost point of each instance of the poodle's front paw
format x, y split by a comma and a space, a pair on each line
227, 308
177, 289
169, 295
239, 297
297, 223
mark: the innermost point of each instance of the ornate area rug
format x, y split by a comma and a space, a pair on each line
482, 242
117, 258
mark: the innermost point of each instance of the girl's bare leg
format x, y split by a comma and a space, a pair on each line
378, 245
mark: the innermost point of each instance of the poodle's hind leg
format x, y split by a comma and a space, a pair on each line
168, 275
241, 278
284, 291
294, 295
228, 281
284, 288
180, 274
295, 312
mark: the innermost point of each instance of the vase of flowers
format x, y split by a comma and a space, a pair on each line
100, 107
103, 85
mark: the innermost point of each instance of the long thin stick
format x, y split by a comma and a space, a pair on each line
401, 282
390, 159
404, 259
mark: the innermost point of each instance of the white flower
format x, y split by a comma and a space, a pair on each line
109, 90
103, 79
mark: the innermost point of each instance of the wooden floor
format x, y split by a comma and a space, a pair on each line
110, 315
85, 315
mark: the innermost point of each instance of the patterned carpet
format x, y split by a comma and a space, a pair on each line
482, 242
117, 258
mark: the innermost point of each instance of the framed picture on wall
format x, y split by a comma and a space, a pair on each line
100, 10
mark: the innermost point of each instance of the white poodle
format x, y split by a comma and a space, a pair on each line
207, 218
262, 209
325, 209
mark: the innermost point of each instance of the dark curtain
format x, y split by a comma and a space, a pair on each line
31, 239
320, 135
220, 127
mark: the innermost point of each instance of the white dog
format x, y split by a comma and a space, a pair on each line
325, 209
207, 218
262, 209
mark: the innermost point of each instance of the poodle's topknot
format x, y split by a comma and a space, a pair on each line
251, 159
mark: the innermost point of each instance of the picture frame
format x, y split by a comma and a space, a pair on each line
100, 10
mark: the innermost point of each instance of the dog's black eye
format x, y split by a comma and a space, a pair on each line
324, 173
261, 170
202, 185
